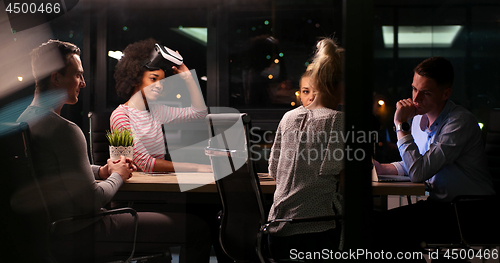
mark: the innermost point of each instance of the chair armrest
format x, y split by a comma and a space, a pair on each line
462, 198
224, 152
265, 227
101, 213
316, 219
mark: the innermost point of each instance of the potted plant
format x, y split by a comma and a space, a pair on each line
121, 142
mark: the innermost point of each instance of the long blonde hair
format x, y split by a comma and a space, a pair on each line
327, 69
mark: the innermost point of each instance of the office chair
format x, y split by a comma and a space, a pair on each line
477, 216
21, 231
99, 145
29, 232
243, 219
477, 225
492, 147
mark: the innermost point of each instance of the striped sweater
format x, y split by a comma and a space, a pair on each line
149, 144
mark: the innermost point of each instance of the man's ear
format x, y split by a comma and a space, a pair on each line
54, 78
446, 93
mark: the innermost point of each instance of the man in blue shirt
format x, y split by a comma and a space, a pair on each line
441, 147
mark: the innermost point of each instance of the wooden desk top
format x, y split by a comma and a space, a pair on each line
204, 183
201, 182
398, 188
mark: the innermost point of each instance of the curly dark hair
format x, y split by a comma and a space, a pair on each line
130, 68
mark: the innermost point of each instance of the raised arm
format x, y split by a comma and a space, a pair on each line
194, 91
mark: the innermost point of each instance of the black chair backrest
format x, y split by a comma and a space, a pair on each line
492, 147
238, 185
473, 227
24, 215
99, 145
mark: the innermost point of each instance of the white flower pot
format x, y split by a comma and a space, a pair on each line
115, 152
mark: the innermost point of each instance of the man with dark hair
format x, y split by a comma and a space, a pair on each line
437, 68
442, 147
68, 181
54, 55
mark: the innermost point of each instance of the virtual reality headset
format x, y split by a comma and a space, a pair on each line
163, 57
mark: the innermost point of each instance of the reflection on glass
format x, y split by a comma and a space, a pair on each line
465, 34
263, 76
270, 48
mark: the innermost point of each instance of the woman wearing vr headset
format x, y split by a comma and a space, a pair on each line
138, 75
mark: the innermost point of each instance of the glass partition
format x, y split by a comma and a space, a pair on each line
404, 34
269, 49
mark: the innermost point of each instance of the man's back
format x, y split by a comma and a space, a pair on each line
60, 159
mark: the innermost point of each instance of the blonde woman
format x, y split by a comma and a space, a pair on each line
306, 163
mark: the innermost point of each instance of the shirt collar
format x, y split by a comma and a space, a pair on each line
423, 122
442, 115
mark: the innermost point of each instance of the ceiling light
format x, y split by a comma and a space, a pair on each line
421, 36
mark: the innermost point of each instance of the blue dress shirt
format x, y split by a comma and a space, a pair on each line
448, 156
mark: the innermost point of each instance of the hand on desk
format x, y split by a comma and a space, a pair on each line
124, 167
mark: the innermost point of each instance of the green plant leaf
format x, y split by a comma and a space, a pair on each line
122, 137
